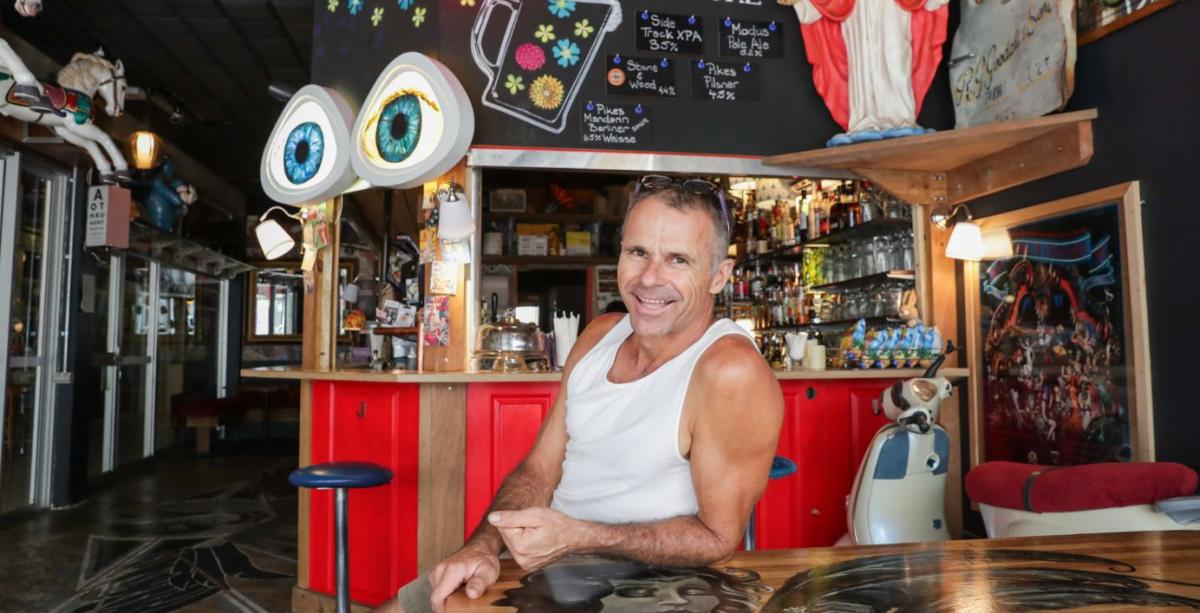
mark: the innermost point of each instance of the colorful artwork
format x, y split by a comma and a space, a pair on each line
614, 585
995, 580
436, 321
555, 63
1096, 18
1058, 378
443, 278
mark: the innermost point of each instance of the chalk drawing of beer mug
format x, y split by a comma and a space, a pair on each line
547, 48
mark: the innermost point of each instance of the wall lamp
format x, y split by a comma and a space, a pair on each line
454, 212
966, 240
272, 238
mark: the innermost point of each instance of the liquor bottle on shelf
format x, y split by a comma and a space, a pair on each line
802, 204
853, 208
764, 230
837, 211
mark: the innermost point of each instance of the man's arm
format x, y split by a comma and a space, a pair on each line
734, 412
530, 484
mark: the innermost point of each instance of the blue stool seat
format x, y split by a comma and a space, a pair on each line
341, 475
781, 467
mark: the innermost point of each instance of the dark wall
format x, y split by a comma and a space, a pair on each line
1142, 79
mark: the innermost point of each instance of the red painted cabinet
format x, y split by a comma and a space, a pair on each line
503, 420
827, 427
378, 423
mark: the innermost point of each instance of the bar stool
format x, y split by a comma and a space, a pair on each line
780, 467
341, 476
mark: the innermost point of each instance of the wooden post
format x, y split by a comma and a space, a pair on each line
319, 351
938, 288
451, 357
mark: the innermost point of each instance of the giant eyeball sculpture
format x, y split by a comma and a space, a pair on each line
415, 125
307, 157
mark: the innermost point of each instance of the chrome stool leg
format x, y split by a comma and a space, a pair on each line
343, 557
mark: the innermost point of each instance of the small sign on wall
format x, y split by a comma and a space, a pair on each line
108, 210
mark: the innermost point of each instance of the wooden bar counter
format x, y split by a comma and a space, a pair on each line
450, 438
1113, 572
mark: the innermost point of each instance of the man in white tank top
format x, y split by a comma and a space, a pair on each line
661, 439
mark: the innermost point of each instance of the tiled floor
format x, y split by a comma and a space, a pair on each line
192, 534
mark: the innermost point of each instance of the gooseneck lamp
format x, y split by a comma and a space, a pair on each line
274, 241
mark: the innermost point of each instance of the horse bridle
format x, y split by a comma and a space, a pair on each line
114, 79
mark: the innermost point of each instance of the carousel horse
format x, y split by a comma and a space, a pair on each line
72, 106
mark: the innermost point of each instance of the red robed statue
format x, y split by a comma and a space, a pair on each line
873, 61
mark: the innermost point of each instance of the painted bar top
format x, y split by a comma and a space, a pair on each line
1113, 572
295, 373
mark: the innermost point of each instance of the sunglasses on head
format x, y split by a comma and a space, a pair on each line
699, 187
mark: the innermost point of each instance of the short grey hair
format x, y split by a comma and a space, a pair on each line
680, 199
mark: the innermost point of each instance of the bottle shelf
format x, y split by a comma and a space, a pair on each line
549, 261
859, 282
552, 217
794, 253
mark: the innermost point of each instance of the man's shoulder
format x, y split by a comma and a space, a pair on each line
731, 359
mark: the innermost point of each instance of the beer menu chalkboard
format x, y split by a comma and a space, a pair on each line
722, 77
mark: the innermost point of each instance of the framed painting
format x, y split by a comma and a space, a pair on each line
1057, 334
1097, 18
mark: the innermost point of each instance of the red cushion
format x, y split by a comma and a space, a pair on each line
1078, 488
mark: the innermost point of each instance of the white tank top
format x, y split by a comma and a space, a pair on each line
623, 463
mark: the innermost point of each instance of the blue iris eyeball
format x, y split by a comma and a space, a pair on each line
399, 128
303, 152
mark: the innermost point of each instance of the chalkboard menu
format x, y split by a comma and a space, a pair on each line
664, 33
724, 81
572, 74
750, 39
640, 76
616, 126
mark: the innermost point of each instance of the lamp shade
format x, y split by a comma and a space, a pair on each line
966, 242
273, 239
145, 147
454, 220
997, 244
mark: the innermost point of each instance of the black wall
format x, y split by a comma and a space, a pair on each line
1143, 81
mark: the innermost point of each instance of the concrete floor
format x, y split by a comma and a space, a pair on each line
189, 534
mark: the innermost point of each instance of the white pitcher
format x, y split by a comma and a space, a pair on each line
796, 343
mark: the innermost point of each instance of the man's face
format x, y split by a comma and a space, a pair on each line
665, 271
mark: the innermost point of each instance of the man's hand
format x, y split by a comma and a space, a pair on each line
536, 536
472, 565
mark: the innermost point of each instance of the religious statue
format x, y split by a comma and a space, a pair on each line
873, 61
162, 195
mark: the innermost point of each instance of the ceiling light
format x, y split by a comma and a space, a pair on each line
146, 147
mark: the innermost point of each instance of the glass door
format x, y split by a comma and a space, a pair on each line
30, 239
127, 376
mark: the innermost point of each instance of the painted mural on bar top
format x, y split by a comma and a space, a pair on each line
1055, 383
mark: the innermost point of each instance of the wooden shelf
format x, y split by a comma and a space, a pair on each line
901, 275
944, 168
552, 217
795, 253
549, 261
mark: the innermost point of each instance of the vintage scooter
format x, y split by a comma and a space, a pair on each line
900, 491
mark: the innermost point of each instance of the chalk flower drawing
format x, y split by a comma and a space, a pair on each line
332, 6
583, 29
514, 84
418, 16
530, 57
467, 2
562, 8
404, 4
377, 16
567, 53
544, 33
354, 6
546, 92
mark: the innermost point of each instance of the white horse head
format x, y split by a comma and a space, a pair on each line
92, 74
28, 8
